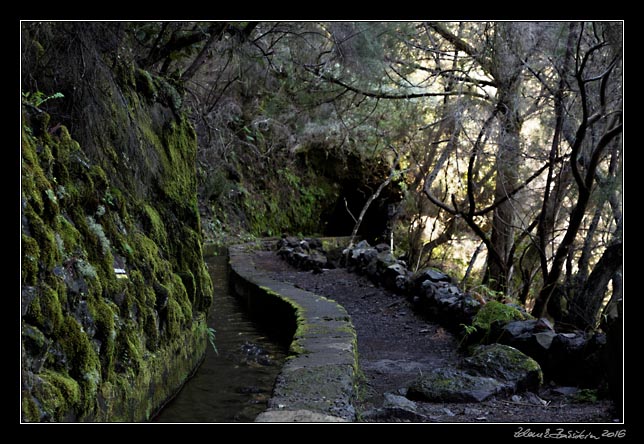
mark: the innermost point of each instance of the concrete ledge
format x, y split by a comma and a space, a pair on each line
317, 383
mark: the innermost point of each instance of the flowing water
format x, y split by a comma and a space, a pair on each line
234, 384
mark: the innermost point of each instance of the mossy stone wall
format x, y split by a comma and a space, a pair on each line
114, 287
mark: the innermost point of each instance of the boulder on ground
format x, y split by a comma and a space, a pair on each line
452, 385
399, 402
506, 364
495, 311
426, 277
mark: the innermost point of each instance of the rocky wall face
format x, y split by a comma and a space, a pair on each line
114, 289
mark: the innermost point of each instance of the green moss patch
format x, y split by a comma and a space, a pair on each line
154, 226
45, 310
451, 385
506, 364
495, 311
101, 345
30, 258
61, 394
585, 396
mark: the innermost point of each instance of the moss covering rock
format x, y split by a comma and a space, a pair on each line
489, 319
453, 385
495, 311
114, 287
507, 364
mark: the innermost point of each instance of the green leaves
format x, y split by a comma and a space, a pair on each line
469, 329
37, 98
211, 338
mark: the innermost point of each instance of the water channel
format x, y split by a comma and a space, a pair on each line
234, 384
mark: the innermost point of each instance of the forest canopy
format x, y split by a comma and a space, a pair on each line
501, 141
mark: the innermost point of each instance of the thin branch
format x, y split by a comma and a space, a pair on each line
470, 266
601, 145
374, 196
473, 155
221, 94
514, 191
461, 45
346, 205
597, 47
216, 32
601, 76
156, 46
439, 203
449, 73
525, 232
539, 78
387, 96
581, 130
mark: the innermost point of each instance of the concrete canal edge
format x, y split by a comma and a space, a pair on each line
317, 383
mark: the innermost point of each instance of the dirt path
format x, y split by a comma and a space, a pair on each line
395, 345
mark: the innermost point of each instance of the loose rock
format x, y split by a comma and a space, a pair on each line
506, 364
451, 385
397, 401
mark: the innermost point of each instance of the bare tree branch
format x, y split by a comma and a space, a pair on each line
216, 31
470, 166
461, 45
388, 96
374, 196
449, 74
508, 195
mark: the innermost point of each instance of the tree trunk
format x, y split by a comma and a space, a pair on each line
504, 217
586, 251
506, 68
216, 31
615, 346
590, 162
551, 203
585, 307
540, 306
576, 217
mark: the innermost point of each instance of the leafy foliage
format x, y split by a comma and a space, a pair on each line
211, 338
38, 98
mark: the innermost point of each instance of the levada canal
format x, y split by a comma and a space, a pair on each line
233, 385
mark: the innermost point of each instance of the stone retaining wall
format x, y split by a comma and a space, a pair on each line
317, 382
